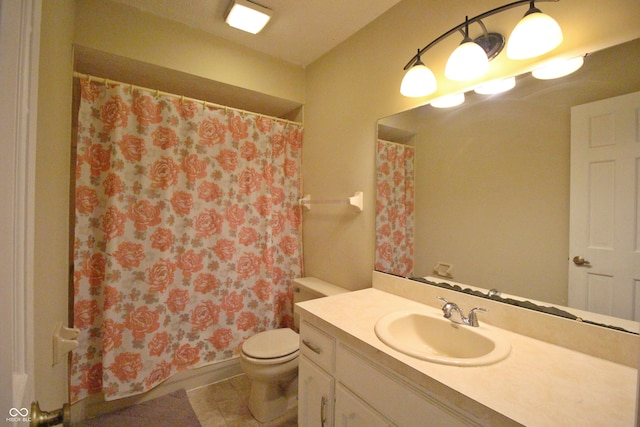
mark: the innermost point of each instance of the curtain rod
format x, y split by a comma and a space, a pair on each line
204, 103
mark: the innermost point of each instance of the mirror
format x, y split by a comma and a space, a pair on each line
491, 182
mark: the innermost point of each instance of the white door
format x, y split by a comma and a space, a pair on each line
315, 395
604, 244
353, 412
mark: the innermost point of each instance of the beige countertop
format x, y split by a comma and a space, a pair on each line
538, 384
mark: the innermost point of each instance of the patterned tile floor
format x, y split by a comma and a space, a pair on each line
224, 404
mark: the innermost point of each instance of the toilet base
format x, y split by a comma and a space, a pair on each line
268, 401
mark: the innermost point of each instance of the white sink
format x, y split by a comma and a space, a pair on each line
429, 337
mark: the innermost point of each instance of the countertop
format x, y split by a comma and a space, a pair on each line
538, 384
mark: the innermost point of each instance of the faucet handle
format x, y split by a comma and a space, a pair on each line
472, 317
448, 307
443, 300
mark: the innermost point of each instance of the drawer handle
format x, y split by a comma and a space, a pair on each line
312, 347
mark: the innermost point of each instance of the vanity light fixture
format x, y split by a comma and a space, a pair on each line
419, 81
460, 65
535, 35
247, 16
558, 68
469, 61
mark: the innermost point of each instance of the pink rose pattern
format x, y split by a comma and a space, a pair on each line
394, 208
187, 236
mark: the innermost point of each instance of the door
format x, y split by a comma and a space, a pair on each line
353, 412
604, 243
315, 395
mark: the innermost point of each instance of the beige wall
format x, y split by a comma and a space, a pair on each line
358, 83
51, 269
127, 32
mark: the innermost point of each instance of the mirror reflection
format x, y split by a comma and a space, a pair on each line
480, 193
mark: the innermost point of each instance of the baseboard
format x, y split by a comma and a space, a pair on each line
95, 405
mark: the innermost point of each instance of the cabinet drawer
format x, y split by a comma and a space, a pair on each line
318, 346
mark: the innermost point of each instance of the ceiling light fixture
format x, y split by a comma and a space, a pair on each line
247, 16
461, 65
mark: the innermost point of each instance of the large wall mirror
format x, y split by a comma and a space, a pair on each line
489, 184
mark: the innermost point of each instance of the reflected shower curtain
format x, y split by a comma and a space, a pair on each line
394, 208
187, 235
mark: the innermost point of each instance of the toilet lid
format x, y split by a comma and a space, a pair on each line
271, 344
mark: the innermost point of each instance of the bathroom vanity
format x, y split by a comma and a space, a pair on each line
349, 377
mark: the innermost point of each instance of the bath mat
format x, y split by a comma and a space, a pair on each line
170, 410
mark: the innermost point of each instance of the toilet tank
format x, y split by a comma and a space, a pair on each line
308, 288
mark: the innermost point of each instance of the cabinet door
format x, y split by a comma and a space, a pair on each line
353, 412
315, 395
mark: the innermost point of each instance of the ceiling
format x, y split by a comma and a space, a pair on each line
300, 31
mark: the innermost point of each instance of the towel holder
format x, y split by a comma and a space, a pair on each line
357, 201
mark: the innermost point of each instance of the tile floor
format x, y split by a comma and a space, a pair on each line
224, 404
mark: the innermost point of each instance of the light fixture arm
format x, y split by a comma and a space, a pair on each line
461, 27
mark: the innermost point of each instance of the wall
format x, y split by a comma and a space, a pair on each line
120, 30
51, 272
358, 82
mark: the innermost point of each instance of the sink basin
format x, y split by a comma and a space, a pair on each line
429, 337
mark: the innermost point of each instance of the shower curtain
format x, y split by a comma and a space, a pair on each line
187, 235
394, 208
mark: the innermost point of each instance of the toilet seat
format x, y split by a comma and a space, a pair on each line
273, 346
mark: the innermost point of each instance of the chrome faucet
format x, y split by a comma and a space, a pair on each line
454, 313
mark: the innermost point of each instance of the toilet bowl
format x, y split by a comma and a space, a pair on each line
270, 358
270, 361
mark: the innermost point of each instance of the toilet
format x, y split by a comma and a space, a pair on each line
270, 358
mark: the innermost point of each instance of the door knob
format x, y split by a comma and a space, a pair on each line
581, 262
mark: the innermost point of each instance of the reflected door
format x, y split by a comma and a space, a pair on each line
604, 258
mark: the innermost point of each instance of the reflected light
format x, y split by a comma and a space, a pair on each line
558, 68
496, 86
448, 101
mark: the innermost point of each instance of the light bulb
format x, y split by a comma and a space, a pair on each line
419, 81
535, 34
469, 61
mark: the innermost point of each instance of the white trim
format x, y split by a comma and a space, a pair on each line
20, 43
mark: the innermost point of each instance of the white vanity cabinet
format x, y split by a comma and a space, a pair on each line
340, 387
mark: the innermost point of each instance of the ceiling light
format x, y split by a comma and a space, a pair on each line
247, 16
469, 61
535, 35
419, 81
496, 86
558, 68
448, 101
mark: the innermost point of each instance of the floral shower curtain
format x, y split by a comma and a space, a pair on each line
394, 208
187, 235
